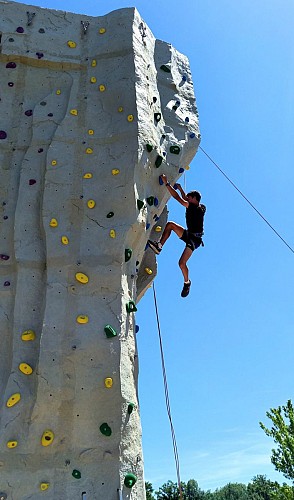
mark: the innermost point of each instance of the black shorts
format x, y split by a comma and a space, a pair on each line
192, 241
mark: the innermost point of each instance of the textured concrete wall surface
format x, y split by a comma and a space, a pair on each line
92, 111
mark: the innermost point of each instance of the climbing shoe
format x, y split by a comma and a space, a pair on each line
186, 289
155, 246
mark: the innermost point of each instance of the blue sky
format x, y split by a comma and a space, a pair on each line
229, 345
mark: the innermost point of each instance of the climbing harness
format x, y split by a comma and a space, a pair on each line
246, 199
176, 455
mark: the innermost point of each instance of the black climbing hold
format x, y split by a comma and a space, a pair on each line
147, 225
137, 262
165, 68
181, 170
19, 29
150, 200
157, 117
40, 150
5, 217
137, 328
175, 108
11, 39
128, 254
184, 78
158, 161
192, 135
11, 65
187, 119
6, 283
131, 406
131, 307
3, 134
10, 84
130, 480
149, 148
140, 204
175, 150
109, 215
43, 103
32, 182
156, 202
29, 112
154, 99
41, 30
3, 496
105, 429
39, 55
50, 114
4, 257
76, 474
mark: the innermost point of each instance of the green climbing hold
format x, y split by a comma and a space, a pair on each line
131, 307
158, 161
165, 68
149, 148
175, 150
105, 429
130, 480
140, 204
110, 332
76, 474
150, 200
128, 254
131, 406
109, 215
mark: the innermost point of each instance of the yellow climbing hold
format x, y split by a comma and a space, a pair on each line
82, 278
130, 118
28, 335
82, 319
89, 151
71, 44
15, 398
91, 203
47, 438
115, 171
58, 92
64, 240
53, 163
11, 444
108, 382
112, 233
53, 223
25, 368
44, 486
148, 270
88, 175
102, 31
158, 229
93, 79
102, 88
120, 109
74, 112
187, 167
94, 63
91, 131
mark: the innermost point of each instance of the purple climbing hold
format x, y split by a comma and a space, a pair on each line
6, 283
10, 84
4, 257
11, 65
19, 29
29, 112
3, 134
32, 182
156, 202
39, 55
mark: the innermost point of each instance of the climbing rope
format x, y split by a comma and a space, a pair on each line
246, 199
176, 455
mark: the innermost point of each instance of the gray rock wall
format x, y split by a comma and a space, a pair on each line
81, 98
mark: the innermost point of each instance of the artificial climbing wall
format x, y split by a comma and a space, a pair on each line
92, 111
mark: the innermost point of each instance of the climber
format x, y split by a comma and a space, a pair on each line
192, 236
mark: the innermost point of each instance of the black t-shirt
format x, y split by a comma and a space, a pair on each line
194, 217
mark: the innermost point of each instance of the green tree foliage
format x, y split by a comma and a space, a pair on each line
149, 490
282, 432
192, 491
260, 488
168, 491
232, 491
